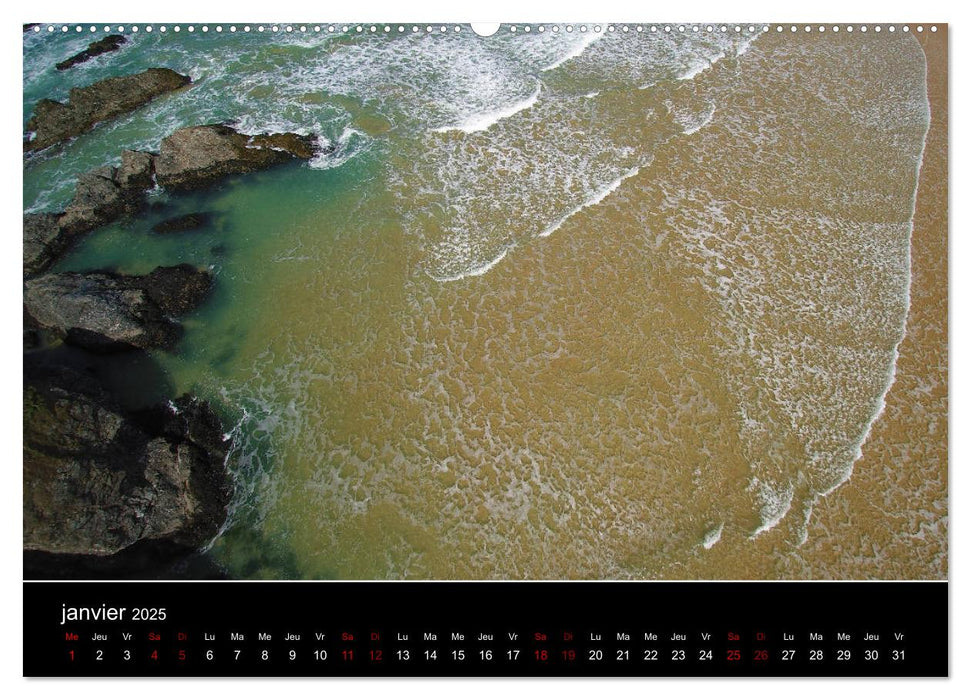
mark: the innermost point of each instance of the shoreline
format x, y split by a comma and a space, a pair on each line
861, 520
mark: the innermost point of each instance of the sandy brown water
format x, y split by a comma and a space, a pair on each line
891, 519
672, 383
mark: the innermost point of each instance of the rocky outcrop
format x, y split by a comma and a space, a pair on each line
100, 480
135, 174
190, 158
44, 241
302, 147
101, 196
107, 194
108, 312
97, 201
198, 156
186, 222
106, 45
53, 122
175, 290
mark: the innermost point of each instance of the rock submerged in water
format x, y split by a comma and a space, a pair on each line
99, 479
198, 156
108, 312
53, 122
191, 158
186, 222
96, 48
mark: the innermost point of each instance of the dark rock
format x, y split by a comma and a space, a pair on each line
99, 312
106, 45
146, 559
44, 242
176, 290
107, 312
107, 194
135, 173
54, 122
98, 200
186, 222
198, 156
33, 335
135, 380
99, 480
190, 158
303, 147
100, 197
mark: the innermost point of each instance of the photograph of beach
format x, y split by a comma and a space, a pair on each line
569, 301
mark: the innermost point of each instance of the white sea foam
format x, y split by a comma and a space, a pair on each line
701, 124
481, 122
695, 122
575, 51
700, 67
746, 43
775, 504
712, 537
235, 437
473, 272
596, 198
892, 374
350, 143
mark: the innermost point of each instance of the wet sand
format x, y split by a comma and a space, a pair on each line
890, 521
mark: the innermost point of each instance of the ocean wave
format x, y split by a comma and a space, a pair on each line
713, 536
774, 503
881, 403
473, 272
349, 144
699, 67
694, 122
594, 199
481, 122
577, 49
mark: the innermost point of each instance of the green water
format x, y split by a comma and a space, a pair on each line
265, 232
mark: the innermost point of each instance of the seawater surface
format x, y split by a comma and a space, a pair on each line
556, 305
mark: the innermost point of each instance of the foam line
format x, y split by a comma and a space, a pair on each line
597, 197
475, 271
775, 507
713, 536
892, 374
481, 122
578, 49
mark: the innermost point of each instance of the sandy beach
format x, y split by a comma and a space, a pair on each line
890, 521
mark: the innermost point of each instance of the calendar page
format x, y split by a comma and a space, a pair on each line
463, 350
